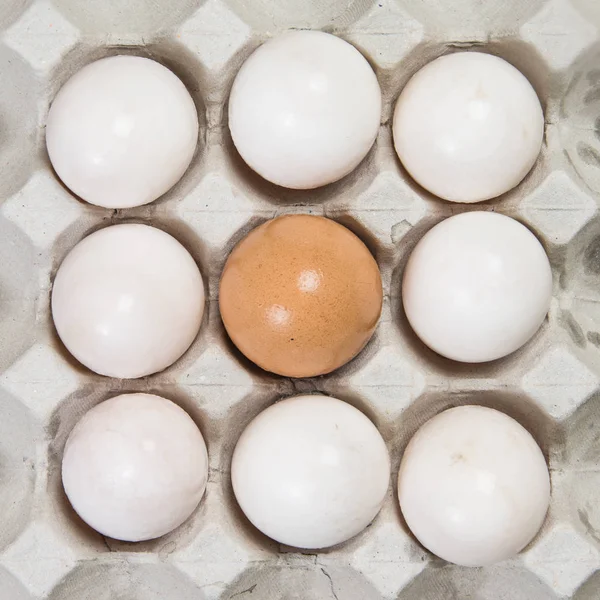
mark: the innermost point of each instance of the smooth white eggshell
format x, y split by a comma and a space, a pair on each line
477, 287
310, 471
135, 467
128, 301
304, 109
122, 131
468, 127
473, 486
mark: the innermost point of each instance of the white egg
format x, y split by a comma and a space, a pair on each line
135, 467
122, 131
128, 301
473, 486
477, 287
468, 127
304, 109
310, 471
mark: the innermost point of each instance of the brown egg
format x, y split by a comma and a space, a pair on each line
300, 295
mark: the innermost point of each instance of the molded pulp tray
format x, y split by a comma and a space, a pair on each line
552, 386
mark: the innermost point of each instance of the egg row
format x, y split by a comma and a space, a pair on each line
312, 472
304, 110
300, 295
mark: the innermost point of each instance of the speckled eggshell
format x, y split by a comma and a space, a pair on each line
300, 295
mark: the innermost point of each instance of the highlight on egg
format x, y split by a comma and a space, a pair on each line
122, 131
468, 127
477, 287
473, 486
135, 467
304, 109
128, 301
300, 295
310, 471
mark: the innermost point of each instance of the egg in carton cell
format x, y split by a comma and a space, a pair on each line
550, 385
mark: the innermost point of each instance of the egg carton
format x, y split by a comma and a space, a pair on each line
551, 386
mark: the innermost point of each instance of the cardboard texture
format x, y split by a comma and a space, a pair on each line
551, 386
